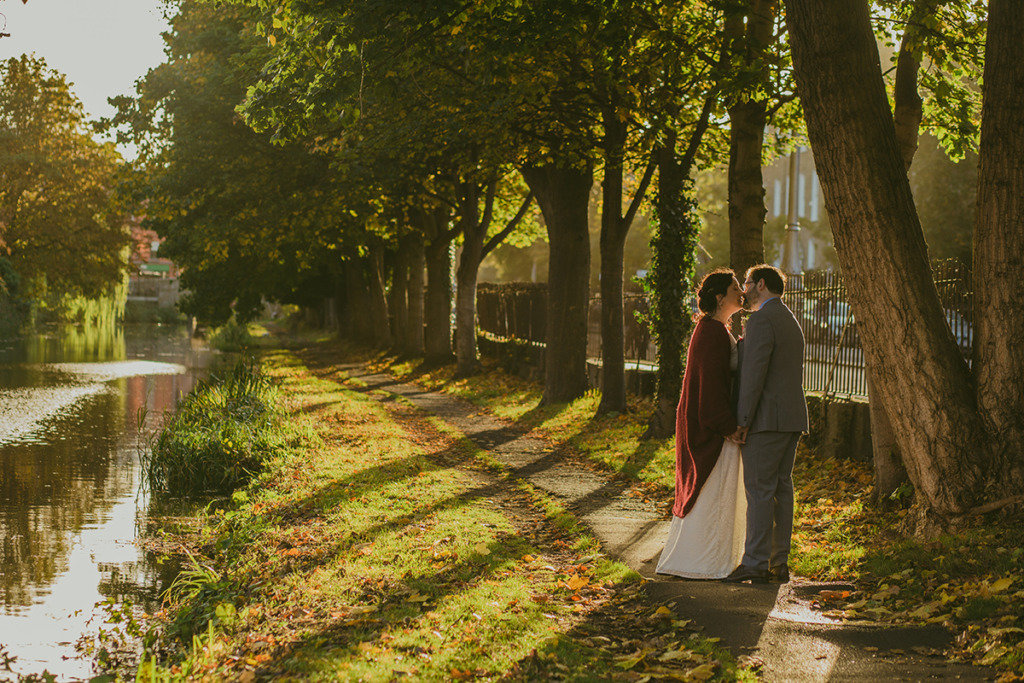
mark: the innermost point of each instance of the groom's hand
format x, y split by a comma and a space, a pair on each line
739, 436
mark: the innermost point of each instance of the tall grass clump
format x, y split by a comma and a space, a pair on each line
220, 436
231, 336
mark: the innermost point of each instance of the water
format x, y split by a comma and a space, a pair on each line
70, 505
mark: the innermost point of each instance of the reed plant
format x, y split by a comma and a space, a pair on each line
220, 436
231, 336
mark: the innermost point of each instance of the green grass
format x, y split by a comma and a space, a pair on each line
220, 437
379, 545
971, 581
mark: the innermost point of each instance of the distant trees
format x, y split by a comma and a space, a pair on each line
61, 227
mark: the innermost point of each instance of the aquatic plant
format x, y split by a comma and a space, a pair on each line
219, 437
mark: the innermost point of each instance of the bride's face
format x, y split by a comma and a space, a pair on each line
732, 300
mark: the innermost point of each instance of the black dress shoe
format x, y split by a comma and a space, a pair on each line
743, 573
779, 574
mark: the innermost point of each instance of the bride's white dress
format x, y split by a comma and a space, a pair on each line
708, 542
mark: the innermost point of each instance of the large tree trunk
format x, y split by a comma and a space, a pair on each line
381, 325
925, 384
748, 116
563, 194
417, 265
613, 242
999, 236
438, 335
907, 111
746, 185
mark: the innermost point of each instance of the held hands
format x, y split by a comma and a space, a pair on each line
739, 436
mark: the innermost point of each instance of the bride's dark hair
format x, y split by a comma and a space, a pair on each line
714, 283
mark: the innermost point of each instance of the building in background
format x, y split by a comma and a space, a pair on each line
152, 279
815, 238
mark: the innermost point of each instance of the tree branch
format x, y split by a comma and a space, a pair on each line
641, 192
507, 230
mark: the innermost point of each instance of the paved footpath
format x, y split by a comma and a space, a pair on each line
770, 622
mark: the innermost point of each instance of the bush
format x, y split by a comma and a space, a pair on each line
231, 336
220, 436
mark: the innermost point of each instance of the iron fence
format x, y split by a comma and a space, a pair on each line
833, 358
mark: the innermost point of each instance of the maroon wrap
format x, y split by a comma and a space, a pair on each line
705, 415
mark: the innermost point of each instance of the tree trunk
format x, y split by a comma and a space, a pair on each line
907, 110
751, 33
907, 104
674, 245
746, 185
888, 467
398, 299
563, 194
381, 336
925, 384
467, 361
999, 236
613, 242
359, 301
417, 265
438, 335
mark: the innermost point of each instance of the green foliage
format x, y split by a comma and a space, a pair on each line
949, 40
670, 282
231, 336
219, 438
248, 219
14, 309
60, 221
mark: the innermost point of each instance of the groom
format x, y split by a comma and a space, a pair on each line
771, 413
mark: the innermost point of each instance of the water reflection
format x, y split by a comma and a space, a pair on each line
69, 502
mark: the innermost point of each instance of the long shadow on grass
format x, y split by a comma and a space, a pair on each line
340, 639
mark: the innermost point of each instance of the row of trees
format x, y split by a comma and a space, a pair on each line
306, 152
61, 222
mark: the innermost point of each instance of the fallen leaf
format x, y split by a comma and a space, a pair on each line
1001, 585
833, 595
629, 662
663, 613
701, 673
993, 655
577, 582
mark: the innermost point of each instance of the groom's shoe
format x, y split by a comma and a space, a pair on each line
779, 574
744, 573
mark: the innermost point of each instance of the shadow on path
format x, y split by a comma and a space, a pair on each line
775, 625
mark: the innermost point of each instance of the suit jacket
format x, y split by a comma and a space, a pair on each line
771, 393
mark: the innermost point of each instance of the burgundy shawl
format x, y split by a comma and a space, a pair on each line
705, 415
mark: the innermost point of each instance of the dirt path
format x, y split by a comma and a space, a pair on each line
772, 623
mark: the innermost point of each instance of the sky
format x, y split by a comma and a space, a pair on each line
102, 46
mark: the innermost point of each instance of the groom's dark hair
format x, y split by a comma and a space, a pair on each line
774, 279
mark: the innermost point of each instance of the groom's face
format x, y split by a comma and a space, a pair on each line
750, 294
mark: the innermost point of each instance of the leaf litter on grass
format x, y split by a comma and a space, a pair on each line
448, 575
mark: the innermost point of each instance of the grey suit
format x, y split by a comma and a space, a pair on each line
771, 404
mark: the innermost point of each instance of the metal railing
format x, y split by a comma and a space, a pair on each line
833, 358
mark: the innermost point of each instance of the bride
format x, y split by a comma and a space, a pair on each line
705, 540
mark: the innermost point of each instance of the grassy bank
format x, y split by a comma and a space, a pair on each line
972, 582
220, 437
376, 544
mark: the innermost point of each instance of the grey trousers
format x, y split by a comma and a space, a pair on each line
768, 480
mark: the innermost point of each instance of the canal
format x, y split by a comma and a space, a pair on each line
71, 505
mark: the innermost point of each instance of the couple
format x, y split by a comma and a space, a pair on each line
736, 436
